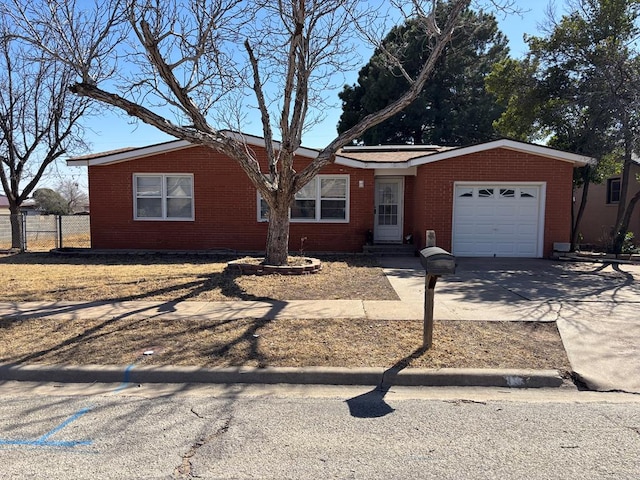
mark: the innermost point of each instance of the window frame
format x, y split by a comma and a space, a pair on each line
609, 199
318, 202
164, 197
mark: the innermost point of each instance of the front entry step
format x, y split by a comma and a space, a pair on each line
390, 249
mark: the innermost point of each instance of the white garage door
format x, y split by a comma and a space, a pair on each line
497, 220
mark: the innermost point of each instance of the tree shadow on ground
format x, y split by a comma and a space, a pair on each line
141, 312
179, 292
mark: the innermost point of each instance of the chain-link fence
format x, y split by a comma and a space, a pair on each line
44, 232
5, 232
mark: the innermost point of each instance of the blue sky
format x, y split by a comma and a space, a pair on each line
112, 131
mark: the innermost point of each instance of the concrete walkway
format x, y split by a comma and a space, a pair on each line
594, 305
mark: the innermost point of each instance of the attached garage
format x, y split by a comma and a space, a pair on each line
498, 220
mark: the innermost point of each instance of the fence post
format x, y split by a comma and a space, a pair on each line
22, 218
58, 231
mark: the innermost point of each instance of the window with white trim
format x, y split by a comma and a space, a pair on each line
162, 197
324, 199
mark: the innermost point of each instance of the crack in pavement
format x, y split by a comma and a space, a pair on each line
514, 293
196, 413
185, 469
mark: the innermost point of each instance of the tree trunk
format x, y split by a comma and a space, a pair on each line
586, 177
277, 251
622, 219
621, 233
16, 228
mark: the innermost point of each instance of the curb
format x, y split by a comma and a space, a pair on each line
444, 377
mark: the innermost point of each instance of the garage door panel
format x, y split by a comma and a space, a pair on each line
484, 229
484, 211
507, 210
526, 250
527, 231
527, 210
505, 250
502, 223
505, 229
480, 249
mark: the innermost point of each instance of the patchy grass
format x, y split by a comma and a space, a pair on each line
249, 342
46, 277
290, 343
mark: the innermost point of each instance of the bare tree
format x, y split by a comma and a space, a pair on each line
193, 59
75, 197
39, 119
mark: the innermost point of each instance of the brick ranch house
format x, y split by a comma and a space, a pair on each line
501, 198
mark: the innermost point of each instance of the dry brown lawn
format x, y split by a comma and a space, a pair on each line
41, 276
248, 342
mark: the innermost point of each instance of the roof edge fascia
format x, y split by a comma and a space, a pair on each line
173, 145
539, 150
132, 154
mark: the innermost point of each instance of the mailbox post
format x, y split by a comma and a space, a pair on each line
436, 262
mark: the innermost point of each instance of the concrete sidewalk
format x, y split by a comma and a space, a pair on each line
594, 306
405, 275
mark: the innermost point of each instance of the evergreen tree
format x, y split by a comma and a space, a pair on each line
454, 108
51, 202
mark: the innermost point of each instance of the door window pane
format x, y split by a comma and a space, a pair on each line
388, 194
387, 214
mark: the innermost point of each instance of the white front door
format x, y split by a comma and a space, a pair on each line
389, 210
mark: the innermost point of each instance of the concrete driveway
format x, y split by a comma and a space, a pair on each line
595, 306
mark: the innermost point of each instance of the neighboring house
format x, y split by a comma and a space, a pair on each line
28, 207
602, 209
501, 198
4, 205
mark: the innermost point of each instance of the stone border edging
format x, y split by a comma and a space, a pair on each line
455, 377
310, 265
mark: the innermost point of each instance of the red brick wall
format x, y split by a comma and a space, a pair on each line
225, 208
433, 194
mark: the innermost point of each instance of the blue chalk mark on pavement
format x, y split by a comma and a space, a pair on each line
43, 441
125, 381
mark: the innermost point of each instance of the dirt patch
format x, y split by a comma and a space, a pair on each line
283, 343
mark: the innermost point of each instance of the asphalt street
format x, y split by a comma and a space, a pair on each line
50, 431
